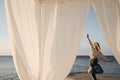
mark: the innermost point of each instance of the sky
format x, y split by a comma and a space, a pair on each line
4, 41
91, 27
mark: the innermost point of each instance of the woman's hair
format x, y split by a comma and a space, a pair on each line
97, 46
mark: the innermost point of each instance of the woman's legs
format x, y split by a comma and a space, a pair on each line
93, 75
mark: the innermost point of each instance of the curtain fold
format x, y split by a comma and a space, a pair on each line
108, 14
45, 36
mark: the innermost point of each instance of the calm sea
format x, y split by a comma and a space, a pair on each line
8, 72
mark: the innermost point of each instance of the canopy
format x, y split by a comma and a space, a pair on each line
45, 34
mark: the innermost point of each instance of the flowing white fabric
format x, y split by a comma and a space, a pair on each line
45, 36
108, 13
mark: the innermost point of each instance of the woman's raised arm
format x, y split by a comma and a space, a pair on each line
91, 44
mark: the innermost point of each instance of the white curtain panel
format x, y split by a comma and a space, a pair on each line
108, 13
45, 36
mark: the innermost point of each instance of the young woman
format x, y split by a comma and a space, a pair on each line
96, 55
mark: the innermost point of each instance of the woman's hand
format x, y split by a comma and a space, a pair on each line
87, 35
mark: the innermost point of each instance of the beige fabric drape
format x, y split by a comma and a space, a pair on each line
108, 13
45, 36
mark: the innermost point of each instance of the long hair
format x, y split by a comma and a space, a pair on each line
97, 46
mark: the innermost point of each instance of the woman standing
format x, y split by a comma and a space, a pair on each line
96, 55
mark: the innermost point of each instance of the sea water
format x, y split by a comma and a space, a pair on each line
8, 72
81, 64
7, 69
